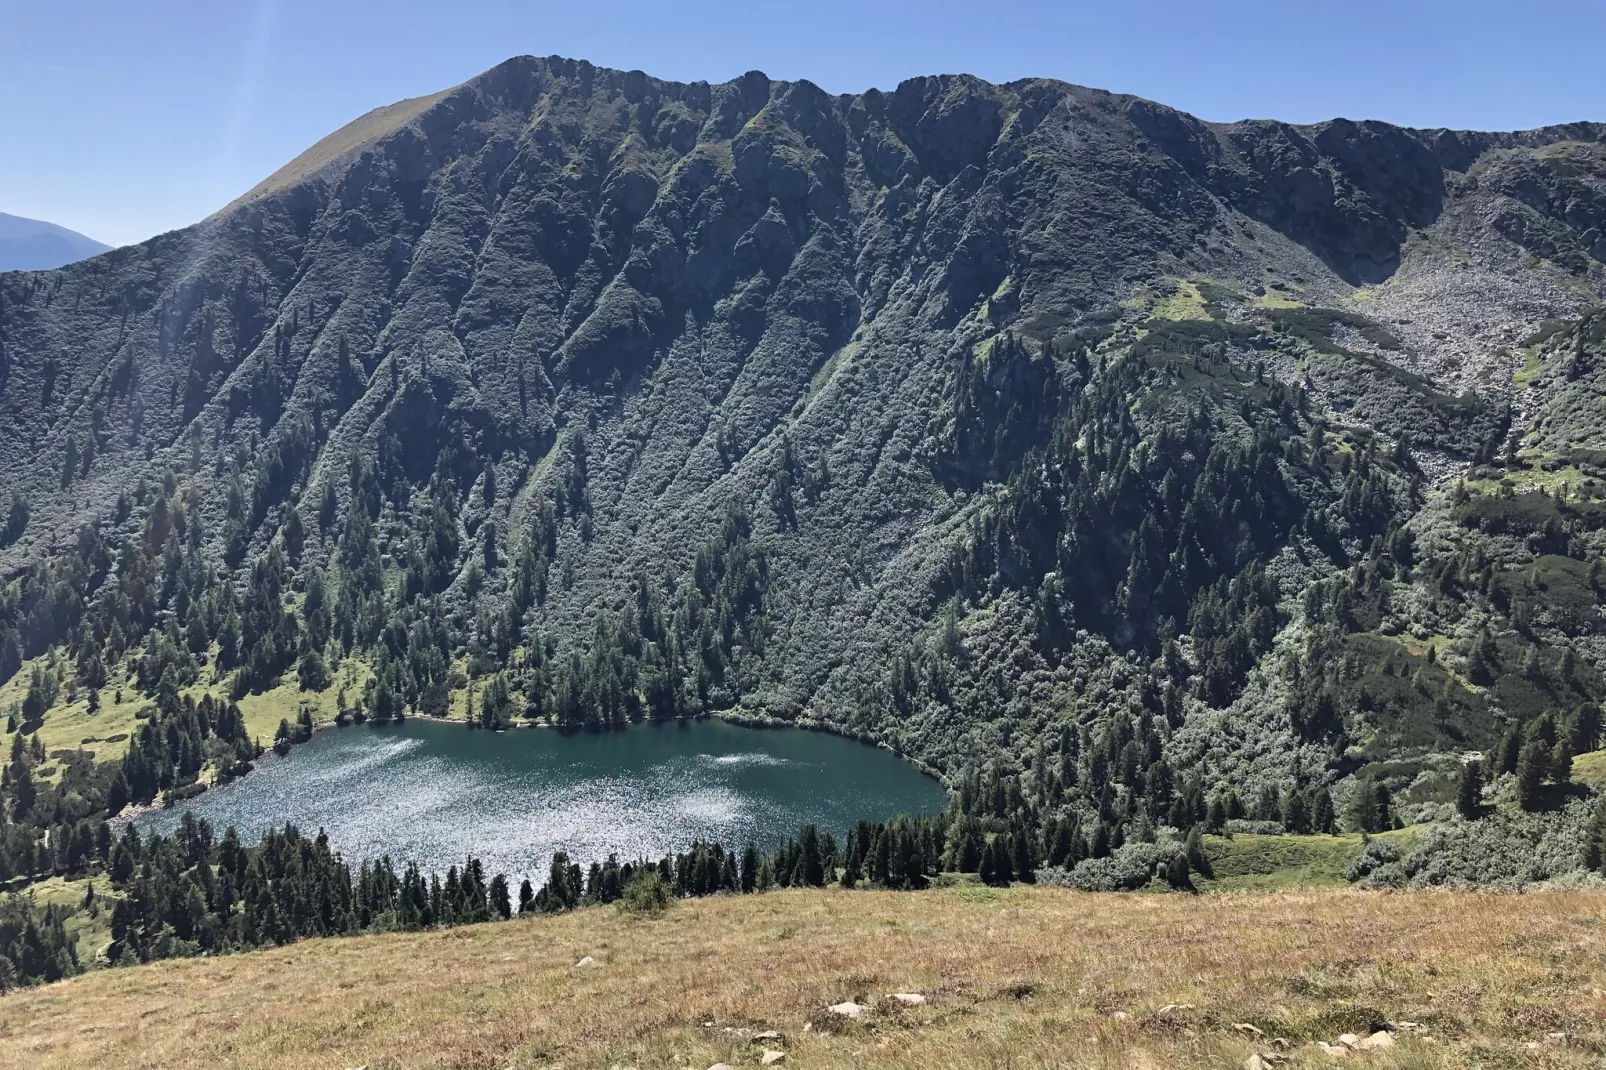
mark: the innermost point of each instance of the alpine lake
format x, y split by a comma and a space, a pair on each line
435, 792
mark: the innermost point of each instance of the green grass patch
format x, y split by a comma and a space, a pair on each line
1590, 769
1184, 303
1269, 863
92, 929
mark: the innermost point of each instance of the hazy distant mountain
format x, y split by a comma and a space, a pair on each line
34, 245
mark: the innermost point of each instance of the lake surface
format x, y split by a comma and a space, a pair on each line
435, 793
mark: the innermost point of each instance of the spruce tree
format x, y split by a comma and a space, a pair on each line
882, 866
1363, 806
1216, 816
1595, 839
499, 897
811, 865
750, 866
1583, 728
1469, 793
987, 868
1296, 813
1194, 852
1322, 818
1023, 862
1532, 765
1561, 761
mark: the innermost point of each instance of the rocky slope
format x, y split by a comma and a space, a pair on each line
913, 367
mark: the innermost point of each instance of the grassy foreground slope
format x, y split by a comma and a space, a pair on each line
1020, 977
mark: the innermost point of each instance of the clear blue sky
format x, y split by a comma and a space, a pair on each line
125, 119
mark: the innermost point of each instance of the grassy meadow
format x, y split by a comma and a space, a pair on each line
1022, 977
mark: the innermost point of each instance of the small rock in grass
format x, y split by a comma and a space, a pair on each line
909, 999
1349, 1040
1120, 1016
848, 1009
1174, 1008
722, 1066
1337, 1051
587, 961
768, 1034
1248, 1030
771, 1057
1378, 1040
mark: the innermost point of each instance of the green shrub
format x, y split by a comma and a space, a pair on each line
646, 894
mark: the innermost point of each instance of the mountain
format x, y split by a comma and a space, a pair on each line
34, 245
1169, 471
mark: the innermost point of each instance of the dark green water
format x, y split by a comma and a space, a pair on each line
435, 793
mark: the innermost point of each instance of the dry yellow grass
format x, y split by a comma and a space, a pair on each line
1022, 978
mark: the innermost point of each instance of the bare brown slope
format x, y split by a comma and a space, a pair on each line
1021, 978
333, 152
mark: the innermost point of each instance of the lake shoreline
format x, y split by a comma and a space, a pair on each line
435, 794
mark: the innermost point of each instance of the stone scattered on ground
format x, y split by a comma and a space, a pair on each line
909, 999
1120, 1016
847, 1009
768, 1034
771, 1057
1378, 1041
1248, 1030
1174, 1008
587, 961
